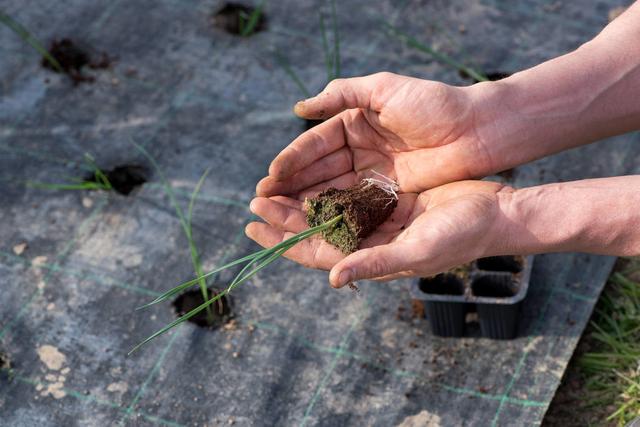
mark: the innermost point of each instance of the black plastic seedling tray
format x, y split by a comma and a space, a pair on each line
494, 287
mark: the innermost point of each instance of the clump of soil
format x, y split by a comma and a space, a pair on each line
233, 17
221, 309
124, 179
73, 58
508, 263
364, 207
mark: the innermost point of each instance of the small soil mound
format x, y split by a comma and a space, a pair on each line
124, 179
364, 207
234, 18
220, 310
72, 58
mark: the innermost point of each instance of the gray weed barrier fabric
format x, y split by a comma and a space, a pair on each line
298, 352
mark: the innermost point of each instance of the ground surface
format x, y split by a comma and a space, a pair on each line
300, 353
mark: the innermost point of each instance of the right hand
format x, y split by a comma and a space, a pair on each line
420, 133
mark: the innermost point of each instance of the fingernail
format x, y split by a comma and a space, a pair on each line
252, 207
345, 277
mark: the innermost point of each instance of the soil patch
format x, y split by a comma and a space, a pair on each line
364, 207
442, 284
220, 309
234, 18
73, 58
124, 179
494, 286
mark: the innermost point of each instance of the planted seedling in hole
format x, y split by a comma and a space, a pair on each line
239, 19
122, 179
187, 226
331, 59
343, 217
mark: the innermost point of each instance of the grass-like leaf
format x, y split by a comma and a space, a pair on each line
248, 23
185, 222
258, 260
100, 182
25, 35
435, 54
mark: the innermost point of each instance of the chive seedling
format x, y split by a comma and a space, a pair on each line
187, 227
25, 35
99, 182
253, 264
435, 54
331, 57
248, 23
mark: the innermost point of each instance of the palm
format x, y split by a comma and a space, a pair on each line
430, 227
414, 131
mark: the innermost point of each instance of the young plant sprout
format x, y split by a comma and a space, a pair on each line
248, 23
187, 226
343, 217
435, 54
99, 181
331, 57
22, 32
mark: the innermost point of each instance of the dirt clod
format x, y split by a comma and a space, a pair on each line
364, 207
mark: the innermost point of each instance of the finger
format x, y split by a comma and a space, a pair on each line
344, 94
370, 263
329, 166
288, 201
312, 145
279, 215
313, 252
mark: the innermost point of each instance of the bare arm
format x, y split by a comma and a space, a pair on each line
589, 94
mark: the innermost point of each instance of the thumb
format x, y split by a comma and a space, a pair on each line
342, 94
370, 263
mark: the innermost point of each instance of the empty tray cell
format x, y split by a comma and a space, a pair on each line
495, 286
511, 264
442, 284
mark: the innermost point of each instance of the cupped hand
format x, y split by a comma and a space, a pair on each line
427, 233
420, 133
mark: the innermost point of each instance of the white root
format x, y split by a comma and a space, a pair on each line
386, 184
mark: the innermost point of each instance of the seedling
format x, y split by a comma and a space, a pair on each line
187, 226
343, 217
248, 23
435, 54
25, 35
100, 181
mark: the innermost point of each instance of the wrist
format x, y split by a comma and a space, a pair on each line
595, 216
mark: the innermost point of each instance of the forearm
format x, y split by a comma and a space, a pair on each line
589, 94
597, 216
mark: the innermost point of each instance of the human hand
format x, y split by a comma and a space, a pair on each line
427, 233
420, 133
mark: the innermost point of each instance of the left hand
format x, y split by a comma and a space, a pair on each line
427, 233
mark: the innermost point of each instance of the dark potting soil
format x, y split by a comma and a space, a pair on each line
508, 263
73, 58
124, 179
221, 309
364, 207
233, 17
